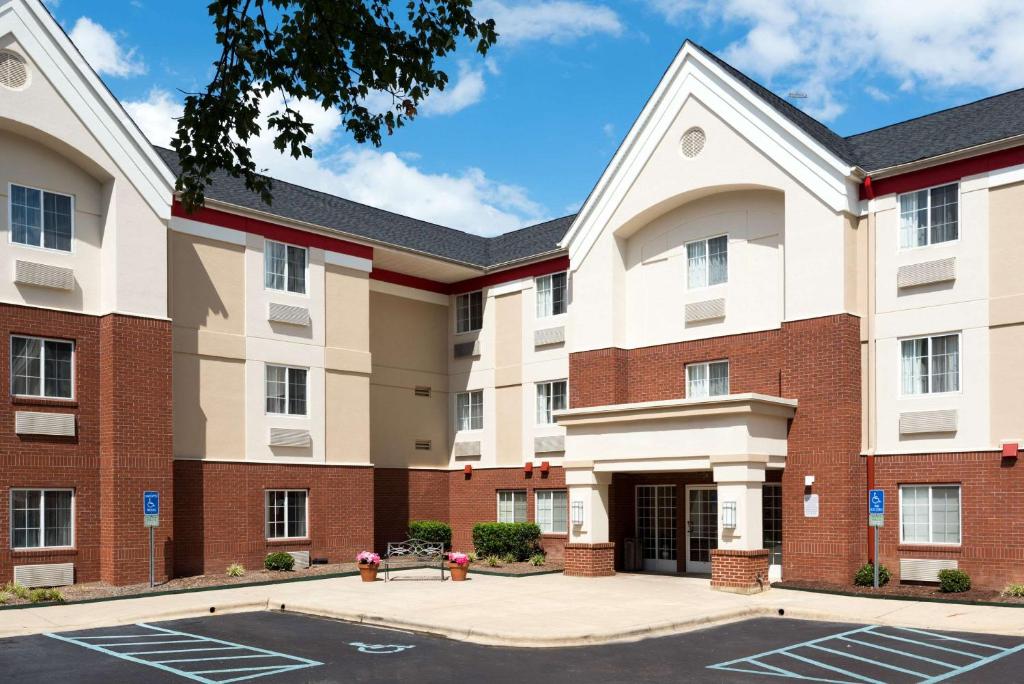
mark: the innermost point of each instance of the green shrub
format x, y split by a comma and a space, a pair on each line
1014, 590
431, 531
865, 577
508, 558
16, 589
537, 559
279, 560
472, 557
44, 595
954, 581
6, 597
236, 570
519, 540
493, 561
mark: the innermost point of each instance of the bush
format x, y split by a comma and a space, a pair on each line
44, 595
518, 540
5, 597
235, 570
865, 577
279, 560
493, 561
537, 559
16, 589
472, 556
431, 531
1014, 590
954, 581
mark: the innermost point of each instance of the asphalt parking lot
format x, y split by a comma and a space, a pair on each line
284, 647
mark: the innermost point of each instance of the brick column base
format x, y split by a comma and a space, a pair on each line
590, 560
739, 571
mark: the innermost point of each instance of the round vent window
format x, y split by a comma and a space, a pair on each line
693, 142
13, 71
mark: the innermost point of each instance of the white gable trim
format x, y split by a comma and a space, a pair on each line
824, 174
46, 44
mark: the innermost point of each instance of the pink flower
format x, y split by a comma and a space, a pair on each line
368, 557
458, 558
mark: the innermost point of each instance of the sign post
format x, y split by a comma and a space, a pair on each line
151, 519
876, 519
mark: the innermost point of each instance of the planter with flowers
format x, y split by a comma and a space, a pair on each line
368, 562
458, 565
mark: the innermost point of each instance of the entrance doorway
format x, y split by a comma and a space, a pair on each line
656, 526
701, 527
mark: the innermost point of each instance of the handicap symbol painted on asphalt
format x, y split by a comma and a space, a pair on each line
379, 648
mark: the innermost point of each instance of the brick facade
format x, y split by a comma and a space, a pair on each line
590, 560
401, 495
739, 571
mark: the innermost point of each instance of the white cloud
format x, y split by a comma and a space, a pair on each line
467, 90
609, 130
877, 94
156, 115
102, 51
815, 45
555, 20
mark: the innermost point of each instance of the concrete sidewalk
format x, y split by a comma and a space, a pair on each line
540, 611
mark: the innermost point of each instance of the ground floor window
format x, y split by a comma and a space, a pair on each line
512, 506
771, 521
930, 514
552, 511
41, 518
286, 513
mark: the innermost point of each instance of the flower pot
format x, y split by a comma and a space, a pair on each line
458, 571
368, 572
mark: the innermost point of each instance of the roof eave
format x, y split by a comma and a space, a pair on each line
963, 153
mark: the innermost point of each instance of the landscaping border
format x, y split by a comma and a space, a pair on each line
921, 599
532, 573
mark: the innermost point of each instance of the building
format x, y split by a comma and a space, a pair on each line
751, 321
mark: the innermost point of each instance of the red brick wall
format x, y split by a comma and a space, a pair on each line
221, 513
401, 495
590, 560
740, 571
992, 512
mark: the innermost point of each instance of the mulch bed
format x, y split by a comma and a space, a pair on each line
523, 568
929, 592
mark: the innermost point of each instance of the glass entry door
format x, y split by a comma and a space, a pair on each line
701, 527
656, 526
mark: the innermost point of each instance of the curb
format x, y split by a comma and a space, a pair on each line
913, 599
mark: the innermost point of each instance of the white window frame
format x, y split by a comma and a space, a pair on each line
287, 390
707, 262
305, 272
514, 493
928, 231
469, 308
707, 365
550, 384
10, 219
959, 366
549, 494
550, 279
470, 394
42, 517
42, 366
266, 513
931, 531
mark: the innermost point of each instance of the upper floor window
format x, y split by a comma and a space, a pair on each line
929, 216
284, 267
551, 294
469, 410
512, 506
707, 379
41, 368
469, 311
286, 390
930, 514
707, 262
40, 218
286, 513
931, 364
41, 518
551, 396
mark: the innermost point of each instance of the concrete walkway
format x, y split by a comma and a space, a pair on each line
546, 610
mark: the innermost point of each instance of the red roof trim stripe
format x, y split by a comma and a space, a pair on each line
396, 278
538, 268
273, 231
943, 173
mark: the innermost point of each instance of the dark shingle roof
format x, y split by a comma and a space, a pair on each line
359, 220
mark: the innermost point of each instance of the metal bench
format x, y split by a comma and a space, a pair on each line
414, 553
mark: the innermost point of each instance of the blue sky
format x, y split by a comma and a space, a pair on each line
524, 135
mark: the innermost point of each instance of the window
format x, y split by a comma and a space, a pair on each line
929, 216
284, 267
286, 513
931, 364
551, 294
551, 396
41, 518
41, 368
512, 506
40, 218
469, 410
552, 510
286, 390
707, 379
930, 514
469, 312
707, 262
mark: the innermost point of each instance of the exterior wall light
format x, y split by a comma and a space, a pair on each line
577, 513
729, 515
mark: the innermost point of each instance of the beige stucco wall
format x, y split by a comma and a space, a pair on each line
1006, 307
209, 416
207, 284
508, 339
347, 427
509, 429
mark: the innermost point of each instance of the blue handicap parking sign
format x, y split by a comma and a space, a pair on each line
876, 501
151, 503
